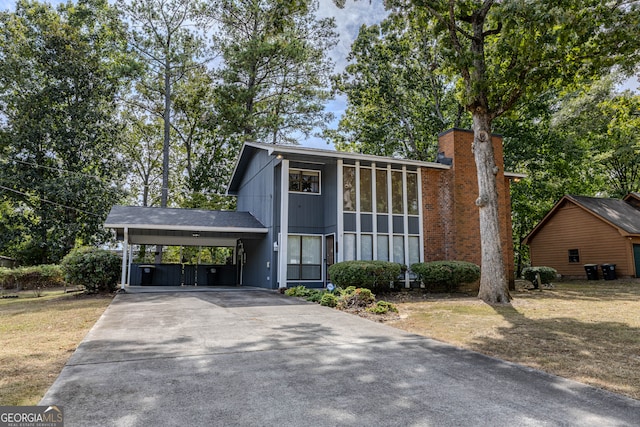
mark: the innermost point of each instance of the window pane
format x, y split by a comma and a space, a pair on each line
294, 181
310, 182
366, 247
412, 193
311, 250
365, 190
383, 248
310, 272
398, 249
349, 247
396, 192
414, 250
293, 272
382, 199
349, 188
293, 250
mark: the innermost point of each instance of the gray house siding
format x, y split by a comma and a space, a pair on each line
256, 195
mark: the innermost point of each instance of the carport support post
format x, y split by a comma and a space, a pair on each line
284, 224
125, 252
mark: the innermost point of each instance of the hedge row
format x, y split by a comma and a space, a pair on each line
448, 274
30, 278
374, 275
97, 270
378, 275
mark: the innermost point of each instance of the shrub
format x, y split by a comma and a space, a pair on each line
360, 297
329, 300
547, 274
298, 291
383, 307
96, 269
374, 275
315, 295
446, 273
31, 278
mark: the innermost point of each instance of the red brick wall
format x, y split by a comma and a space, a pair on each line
451, 219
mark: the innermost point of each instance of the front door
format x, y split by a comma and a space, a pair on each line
329, 243
636, 257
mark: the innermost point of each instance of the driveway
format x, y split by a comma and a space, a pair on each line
243, 357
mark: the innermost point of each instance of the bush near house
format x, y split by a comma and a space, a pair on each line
373, 275
448, 274
32, 278
96, 269
547, 274
348, 299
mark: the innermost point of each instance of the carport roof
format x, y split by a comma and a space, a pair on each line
188, 227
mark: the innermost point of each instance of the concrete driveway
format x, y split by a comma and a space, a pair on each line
242, 357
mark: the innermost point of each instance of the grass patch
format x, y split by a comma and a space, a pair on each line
39, 335
585, 331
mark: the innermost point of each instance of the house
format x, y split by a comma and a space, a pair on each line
582, 230
299, 210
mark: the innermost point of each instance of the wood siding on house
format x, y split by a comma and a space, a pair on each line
572, 227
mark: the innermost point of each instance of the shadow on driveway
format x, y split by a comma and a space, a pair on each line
262, 359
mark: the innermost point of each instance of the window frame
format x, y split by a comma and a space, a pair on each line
302, 172
575, 257
300, 255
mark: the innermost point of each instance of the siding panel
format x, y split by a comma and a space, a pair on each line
573, 228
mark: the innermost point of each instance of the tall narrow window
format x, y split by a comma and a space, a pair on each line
365, 190
304, 258
349, 188
396, 192
382, 196
414, 250
366, 247
383, 247
412, 193
349, 247
398, 249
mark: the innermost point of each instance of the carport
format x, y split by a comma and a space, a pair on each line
138, 225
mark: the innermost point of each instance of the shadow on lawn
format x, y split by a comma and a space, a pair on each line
601, 353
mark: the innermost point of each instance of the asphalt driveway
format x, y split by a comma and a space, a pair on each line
242, 357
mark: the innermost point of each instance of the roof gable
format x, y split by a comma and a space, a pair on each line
306, 154
617, 213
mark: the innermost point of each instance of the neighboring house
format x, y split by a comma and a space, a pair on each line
587, 230
313, 208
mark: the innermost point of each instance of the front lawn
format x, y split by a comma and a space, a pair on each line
588, 331
39, 334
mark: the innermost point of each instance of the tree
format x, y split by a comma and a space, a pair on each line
396, 104
502, 51
60, 73
166, 36
275, 69
607, 122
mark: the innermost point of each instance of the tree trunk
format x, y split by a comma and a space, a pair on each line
494, 286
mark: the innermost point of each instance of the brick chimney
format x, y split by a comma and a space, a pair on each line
451, 219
